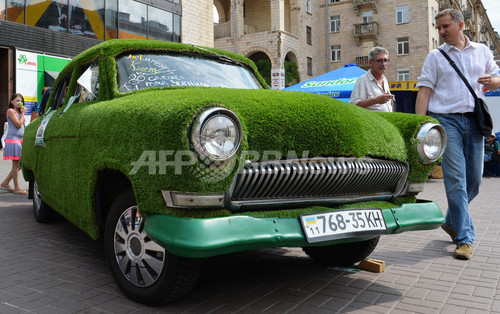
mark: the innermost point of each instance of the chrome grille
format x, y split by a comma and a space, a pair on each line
322, 180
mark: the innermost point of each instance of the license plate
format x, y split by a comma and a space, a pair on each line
342, 224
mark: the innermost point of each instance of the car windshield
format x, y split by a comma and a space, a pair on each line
138, 71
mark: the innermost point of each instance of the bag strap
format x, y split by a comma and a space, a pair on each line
459, 73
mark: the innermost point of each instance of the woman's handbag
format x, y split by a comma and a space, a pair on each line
482, 114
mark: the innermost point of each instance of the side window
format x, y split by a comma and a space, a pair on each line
60, 94
88, 84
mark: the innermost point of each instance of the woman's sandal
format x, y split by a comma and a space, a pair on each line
22, 192
6, 188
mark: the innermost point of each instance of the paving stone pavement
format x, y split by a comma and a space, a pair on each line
56, 268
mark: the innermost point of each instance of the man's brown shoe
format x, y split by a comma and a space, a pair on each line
463, 251
449, 231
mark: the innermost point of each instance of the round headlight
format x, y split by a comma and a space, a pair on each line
217, 134
431, 142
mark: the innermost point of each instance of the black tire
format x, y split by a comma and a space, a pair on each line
43, 213
344, 254
144, 271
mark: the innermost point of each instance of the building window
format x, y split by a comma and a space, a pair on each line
160, 24
14, 12
433, 16
402, 14
308, 35
111, 15
367, 46
334, 1
99, 19
334, 23
131, 20
308, 7
335, 53
403, 46
309, 66
403, 74
367, 16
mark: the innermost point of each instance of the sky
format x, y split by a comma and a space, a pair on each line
493, 10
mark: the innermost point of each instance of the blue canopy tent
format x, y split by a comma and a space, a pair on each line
493, 106
337, 84
494, 93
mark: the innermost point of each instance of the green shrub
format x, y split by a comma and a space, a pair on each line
292, 76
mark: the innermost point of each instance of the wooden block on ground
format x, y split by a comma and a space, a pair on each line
437, 172
373, 265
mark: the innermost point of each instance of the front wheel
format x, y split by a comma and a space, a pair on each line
144, 270
344, 254
43, 213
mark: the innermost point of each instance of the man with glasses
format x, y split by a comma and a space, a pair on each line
372, 90
443, 95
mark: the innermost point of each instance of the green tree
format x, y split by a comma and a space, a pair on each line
264, 68
292, 76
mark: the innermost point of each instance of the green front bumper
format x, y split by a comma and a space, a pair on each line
215, 236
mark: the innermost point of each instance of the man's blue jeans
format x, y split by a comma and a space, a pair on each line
462, 172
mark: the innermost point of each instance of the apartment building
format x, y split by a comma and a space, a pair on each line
323, 35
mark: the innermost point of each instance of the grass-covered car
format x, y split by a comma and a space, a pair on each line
173, 153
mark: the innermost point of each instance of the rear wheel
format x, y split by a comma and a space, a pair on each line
144, 270
344, 254
42, 212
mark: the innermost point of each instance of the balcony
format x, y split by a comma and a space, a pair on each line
366, 3
362, 62
222, 30
467, 14
445, 4
365, 30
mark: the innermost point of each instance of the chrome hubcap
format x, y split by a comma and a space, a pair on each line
36, 196
139, 258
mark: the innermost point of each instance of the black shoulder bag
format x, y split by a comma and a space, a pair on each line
483, 117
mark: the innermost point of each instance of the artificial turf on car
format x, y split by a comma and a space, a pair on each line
154, 120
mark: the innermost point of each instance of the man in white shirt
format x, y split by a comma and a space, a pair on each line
443, 95
372, 90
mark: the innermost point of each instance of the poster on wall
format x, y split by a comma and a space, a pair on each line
26, 77
277, 78
34, 71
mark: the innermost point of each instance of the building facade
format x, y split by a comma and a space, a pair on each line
323, 35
